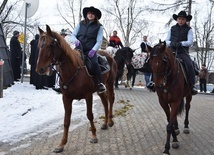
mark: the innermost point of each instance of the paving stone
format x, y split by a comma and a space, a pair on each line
142, 131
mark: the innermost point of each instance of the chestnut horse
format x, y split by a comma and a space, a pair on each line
171, 87
75, 82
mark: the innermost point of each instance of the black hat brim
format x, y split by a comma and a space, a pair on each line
96, 11
189, 17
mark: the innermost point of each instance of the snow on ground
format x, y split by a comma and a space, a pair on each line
25, 111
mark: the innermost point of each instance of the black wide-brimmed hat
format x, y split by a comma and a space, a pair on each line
96, 11
182, 14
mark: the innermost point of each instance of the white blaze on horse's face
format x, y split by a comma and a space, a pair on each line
44, 67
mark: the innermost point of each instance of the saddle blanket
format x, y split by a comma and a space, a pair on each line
138, 60
111, 50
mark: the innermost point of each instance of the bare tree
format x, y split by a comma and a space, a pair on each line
185, 5
204, 31
71, 11
11, 17
127, 16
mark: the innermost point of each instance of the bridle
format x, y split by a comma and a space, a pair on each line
166, 74
54, 45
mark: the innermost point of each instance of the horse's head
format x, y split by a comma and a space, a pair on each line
47, 45
125, 54
160, 63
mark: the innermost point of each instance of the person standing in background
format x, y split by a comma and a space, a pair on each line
16, 55
143, 46
115, 41
56, 87
203, 78
32, 61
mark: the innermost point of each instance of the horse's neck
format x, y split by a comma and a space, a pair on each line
66, 65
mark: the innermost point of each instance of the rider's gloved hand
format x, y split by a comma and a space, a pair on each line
173, 44
178, 44
91, 53
77, 43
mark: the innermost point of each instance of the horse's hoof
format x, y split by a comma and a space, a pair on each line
177, 131
94, 140
166, 153
111, 124
175, 145
58, 150
186, 130
104, 127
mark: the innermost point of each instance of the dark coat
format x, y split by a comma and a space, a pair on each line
32, 61
15, 53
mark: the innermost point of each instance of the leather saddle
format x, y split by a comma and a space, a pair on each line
102, 61
103, 64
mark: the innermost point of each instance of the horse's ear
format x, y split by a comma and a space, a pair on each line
164, 43
48, 29
159, 40
40, 31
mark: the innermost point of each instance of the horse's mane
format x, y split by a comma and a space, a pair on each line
169, 53
74, 55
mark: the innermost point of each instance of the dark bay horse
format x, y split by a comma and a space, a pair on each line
123, 57
171, 88
75, 82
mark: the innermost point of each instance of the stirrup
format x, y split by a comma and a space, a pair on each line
101, 88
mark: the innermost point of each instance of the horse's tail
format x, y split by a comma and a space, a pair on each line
181, 108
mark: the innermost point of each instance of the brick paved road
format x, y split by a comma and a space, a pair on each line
140, 132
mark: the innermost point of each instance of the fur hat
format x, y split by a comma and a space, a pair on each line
182, 14
96, 11
15, 32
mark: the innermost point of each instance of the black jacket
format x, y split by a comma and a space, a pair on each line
87, 34
15, 48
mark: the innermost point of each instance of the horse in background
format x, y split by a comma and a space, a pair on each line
111, 50
140, 62
75, 81
171, 87
123, 57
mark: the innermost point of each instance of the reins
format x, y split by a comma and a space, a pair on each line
65, 85
167, 73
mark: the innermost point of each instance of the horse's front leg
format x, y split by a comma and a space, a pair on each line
186, 121
128, 83
119, 75
133, 80
90, 116
170, 128
68, 110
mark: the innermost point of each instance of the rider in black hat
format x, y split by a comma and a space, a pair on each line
179, 39
87, 36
